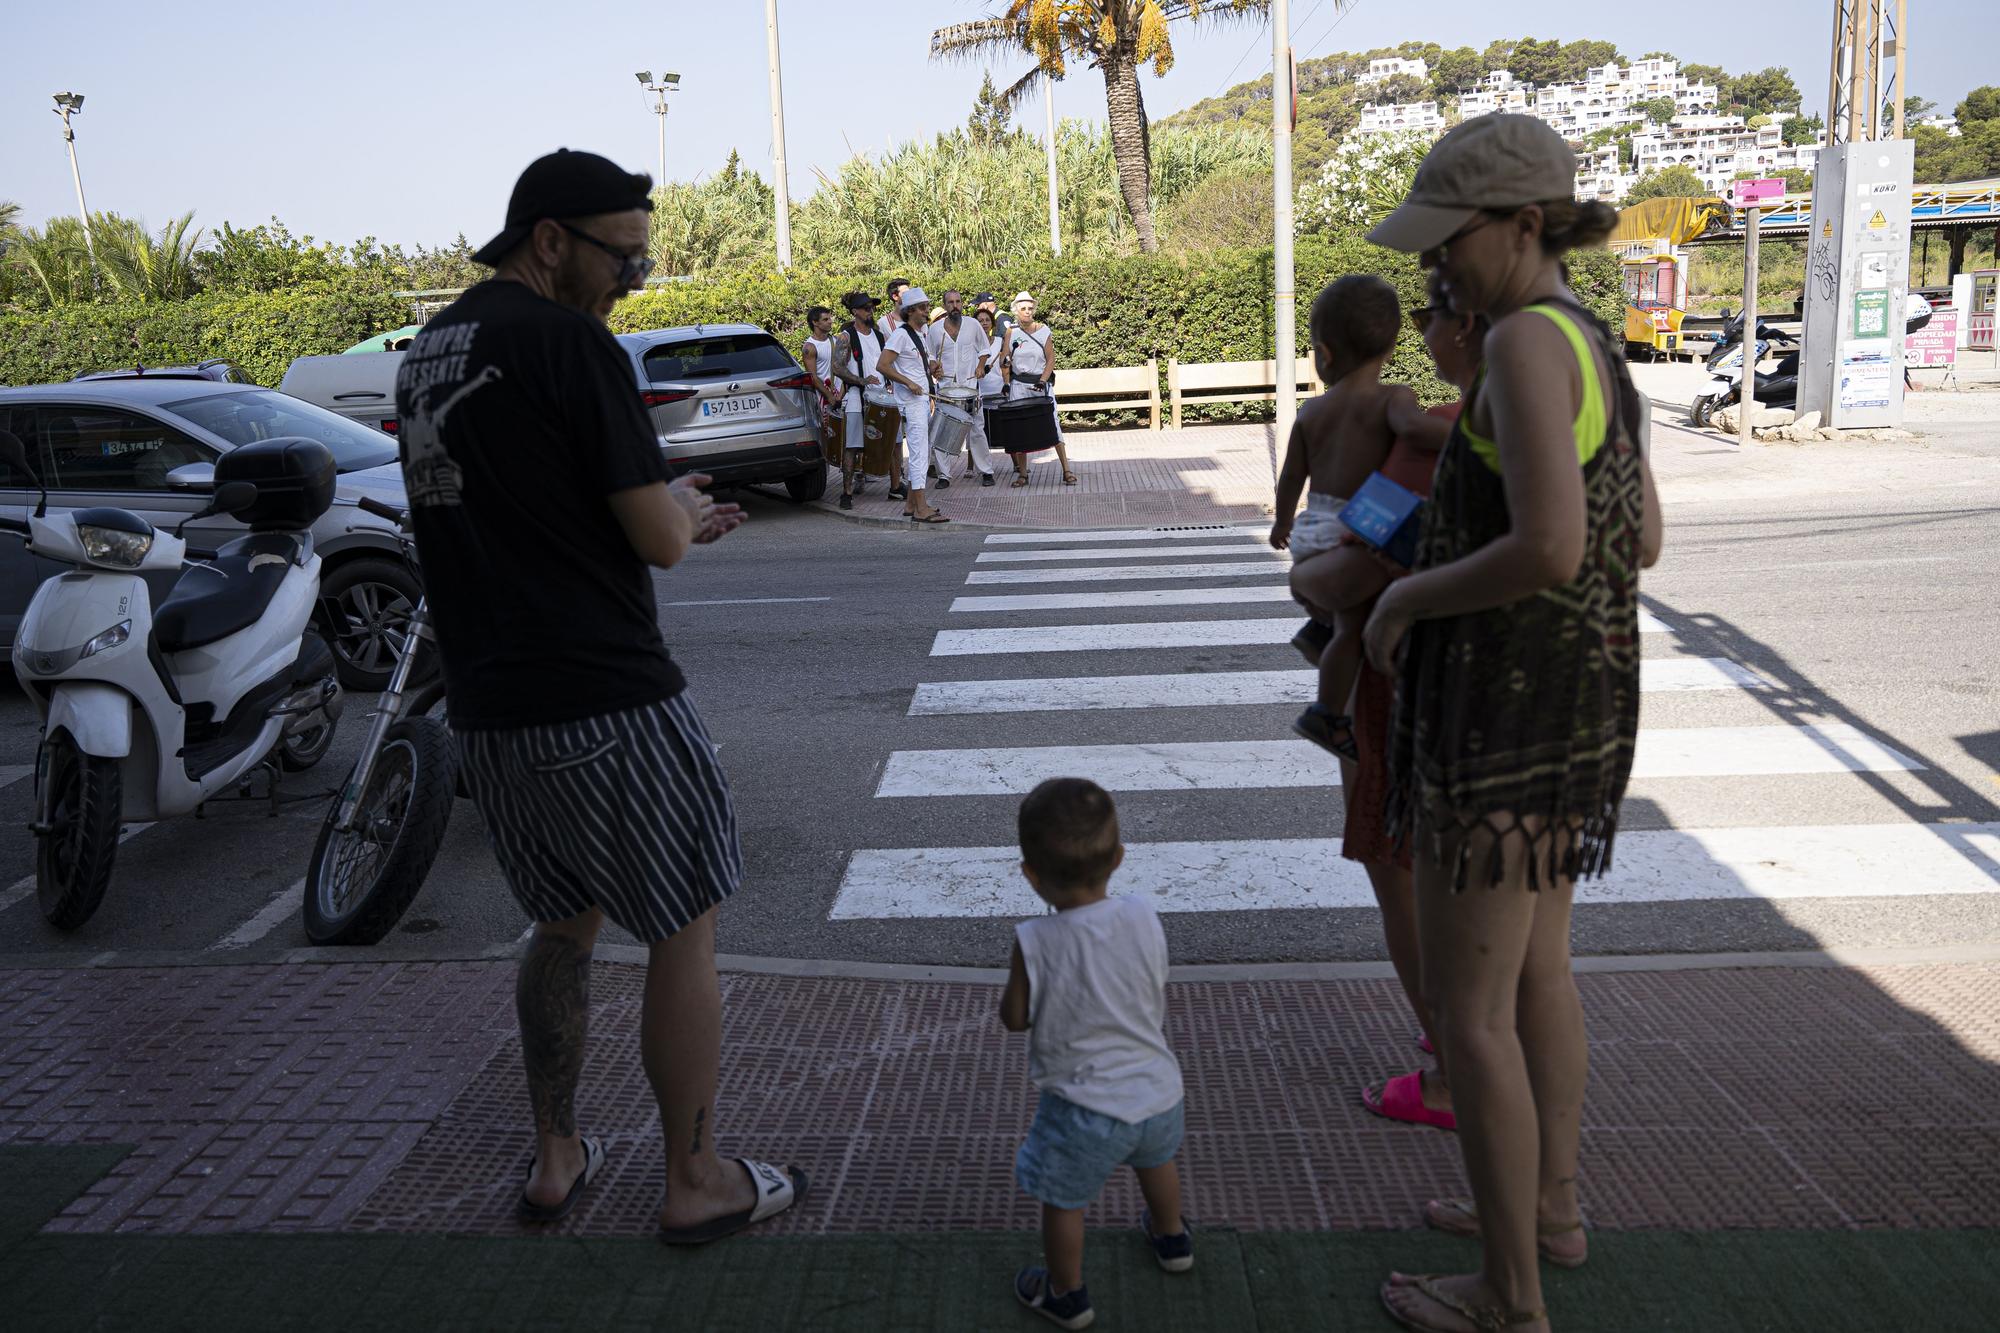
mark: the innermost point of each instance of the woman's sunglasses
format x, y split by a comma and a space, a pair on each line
1422, 316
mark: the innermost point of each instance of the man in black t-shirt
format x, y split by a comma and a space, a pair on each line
540, 499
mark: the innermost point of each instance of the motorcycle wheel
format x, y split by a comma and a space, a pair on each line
1700, 412
73, 863
359, 883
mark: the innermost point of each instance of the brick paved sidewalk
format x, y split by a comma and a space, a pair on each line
388, 1097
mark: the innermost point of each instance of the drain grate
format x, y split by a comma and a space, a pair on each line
1197, 527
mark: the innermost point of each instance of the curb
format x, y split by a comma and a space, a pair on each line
857, 970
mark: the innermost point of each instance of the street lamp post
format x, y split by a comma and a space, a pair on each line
1282, 286
68, 104
669, 83
1049, 110
780, 180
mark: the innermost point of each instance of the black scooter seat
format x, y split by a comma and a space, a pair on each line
228, 594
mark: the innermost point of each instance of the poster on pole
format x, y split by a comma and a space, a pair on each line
1871, 314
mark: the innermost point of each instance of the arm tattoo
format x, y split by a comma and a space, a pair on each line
552, 1002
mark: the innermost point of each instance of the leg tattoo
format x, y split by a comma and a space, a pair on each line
700, 1115
552, 1002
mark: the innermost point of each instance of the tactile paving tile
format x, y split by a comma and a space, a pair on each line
1930, 1177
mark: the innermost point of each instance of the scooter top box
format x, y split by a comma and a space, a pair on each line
293, 476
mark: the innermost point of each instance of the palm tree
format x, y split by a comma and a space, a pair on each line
1116, 36
141, 268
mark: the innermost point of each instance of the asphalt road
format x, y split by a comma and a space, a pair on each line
805, 638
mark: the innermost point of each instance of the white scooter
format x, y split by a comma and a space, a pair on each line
147, 715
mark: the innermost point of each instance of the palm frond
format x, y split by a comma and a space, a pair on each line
1011, 96
979, 38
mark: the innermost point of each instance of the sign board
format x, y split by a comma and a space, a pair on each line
1936, 343
1857, 283
1757, 191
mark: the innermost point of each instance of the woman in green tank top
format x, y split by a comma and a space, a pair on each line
1515, 648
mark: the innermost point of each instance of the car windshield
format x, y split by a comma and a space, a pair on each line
264, 414
720, 354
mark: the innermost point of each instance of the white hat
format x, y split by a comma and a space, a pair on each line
1019, 297
914, 296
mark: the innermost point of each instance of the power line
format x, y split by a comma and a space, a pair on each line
1258, 41
1338, 19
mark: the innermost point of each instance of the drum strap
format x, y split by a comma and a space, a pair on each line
923, 355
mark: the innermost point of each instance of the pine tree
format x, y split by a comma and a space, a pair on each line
988, 123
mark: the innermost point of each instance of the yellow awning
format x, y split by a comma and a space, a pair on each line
1677, 221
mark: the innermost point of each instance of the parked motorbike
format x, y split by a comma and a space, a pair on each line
1777, 387
150, 714
383, 830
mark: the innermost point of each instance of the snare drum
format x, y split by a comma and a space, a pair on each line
950, 424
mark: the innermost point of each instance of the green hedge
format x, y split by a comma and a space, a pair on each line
262, 332
1210, 307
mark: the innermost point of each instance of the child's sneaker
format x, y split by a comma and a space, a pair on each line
1312, 639
1069, 1310
1175, 1253
1330, 731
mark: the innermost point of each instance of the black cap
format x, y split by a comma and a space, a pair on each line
564, 184
859, 301
984, 297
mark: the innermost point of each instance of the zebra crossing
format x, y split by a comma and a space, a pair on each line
1163, 668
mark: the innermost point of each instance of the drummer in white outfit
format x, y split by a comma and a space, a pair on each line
858, 374
906, 366
1028, 363
960, 352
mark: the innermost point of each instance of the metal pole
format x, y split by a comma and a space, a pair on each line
1286, 350
780, 181
1747, 406
1049, 111
1902, 89
82, 209
662, 110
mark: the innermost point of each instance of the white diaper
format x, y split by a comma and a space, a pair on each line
1318, 528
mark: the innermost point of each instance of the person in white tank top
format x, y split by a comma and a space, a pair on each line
1088, 985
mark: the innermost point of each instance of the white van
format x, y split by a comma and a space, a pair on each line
358, 385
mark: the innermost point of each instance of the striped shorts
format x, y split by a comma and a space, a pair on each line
627, 812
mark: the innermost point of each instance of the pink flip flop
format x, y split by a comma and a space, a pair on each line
1402, 1098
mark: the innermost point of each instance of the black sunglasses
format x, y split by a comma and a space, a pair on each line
631, 268
1422, 316
1443, 248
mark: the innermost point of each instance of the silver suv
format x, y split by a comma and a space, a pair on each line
729, 400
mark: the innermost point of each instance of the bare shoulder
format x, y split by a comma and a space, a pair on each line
1523, 337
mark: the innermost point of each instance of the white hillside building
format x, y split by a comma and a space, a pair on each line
1396, 117
1384, 68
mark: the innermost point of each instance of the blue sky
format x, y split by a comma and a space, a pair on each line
408, 119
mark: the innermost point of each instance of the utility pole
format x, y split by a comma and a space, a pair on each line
669, 83
1287, 355
66, 104
1049, 111
782, 184
1747, 408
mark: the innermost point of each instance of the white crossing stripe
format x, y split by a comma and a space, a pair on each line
1237, 765
1675, 865
1123, 553
1209, 533
1091, 638
1125, 598
288, 903
1215, 689
1239, 569
1134, 634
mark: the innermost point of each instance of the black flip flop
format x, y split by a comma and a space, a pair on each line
777, 1190
593, 1162
933, 517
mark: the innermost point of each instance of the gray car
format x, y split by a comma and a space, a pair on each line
729, 400
149, 445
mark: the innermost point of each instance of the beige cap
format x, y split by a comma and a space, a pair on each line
1487, 163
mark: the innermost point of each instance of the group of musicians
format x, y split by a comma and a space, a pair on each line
906, 382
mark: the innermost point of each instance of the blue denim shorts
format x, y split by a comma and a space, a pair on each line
1070, 1151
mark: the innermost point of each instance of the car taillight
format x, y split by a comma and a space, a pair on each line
662, 397
390, 426
798, 381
